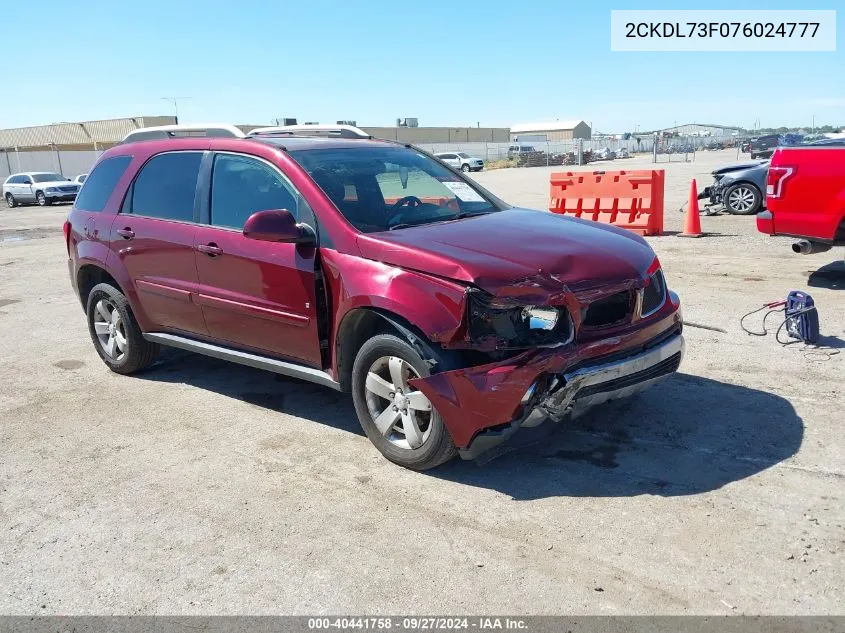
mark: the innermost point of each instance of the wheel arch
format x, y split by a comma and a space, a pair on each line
88, 276
361, 324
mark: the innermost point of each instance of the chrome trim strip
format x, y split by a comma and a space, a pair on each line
274, 365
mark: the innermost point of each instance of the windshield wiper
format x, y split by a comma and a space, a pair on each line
468, 214
458, 216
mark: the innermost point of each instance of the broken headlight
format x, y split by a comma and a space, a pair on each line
509, 325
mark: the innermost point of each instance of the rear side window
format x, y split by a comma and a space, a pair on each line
240, 186
166, 187
101, 184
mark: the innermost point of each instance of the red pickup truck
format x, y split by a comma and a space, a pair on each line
805, 197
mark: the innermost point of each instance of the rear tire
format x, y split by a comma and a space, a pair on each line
115, 332
10, 201
427, 443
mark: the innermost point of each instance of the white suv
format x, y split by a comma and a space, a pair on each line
38, 187
461, 160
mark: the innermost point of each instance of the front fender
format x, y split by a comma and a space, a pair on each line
433, 305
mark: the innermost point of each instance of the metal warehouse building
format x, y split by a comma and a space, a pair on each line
555, 131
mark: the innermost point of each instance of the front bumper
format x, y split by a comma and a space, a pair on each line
574, 392
61, 196
483, 405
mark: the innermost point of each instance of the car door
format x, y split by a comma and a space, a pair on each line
256, 295
153, 236
454, 160
26, 192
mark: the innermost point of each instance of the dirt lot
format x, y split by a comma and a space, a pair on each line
203, 487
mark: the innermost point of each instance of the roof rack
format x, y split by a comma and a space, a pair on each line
215, 130
333, 131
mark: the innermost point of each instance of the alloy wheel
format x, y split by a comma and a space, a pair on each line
401, 414
741, 199
109, 328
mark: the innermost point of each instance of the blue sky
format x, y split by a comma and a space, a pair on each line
446, 62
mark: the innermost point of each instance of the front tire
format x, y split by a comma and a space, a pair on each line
115, 332
43, 201
742, 199
397, 418
465, 167
10, 201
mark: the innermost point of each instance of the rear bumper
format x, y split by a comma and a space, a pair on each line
766, 223
574, 392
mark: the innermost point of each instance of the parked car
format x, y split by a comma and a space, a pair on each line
461, 160
605, 153
805, 197
739, 188
36, 187
368, 267
515, 151
622, 153
80, 179
715, 145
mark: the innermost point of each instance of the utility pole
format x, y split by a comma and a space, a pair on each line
175, 101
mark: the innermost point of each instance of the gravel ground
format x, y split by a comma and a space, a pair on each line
203, 487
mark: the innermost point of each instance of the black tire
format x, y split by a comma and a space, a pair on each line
438, 447
139, 353
749, 189
10, 201
465, 167
43, 201
753, 155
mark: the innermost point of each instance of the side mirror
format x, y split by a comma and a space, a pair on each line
277, 226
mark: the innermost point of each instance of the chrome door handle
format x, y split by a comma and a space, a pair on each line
211, 249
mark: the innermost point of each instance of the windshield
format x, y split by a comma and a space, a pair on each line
383, 188
47, 177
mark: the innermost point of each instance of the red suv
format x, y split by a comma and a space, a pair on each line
367, 266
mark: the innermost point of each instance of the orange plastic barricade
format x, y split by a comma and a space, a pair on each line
631, 200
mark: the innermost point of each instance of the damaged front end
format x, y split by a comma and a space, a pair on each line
543, 351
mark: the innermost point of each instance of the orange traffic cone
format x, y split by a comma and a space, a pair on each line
692, 223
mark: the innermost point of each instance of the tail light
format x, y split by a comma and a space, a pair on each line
777, 179
66, 230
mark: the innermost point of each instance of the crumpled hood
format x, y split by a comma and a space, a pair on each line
517, 253
737, 167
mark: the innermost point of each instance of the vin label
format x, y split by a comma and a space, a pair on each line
723, 30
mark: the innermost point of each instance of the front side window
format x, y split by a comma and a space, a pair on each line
241, 185
166, 187
395, 187
103, 180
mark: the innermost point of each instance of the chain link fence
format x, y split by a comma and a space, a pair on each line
518, 153
67, 163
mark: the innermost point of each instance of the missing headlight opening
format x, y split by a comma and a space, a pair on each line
608, 311
508, 325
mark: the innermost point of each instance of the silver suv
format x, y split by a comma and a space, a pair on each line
461, 160
38, 187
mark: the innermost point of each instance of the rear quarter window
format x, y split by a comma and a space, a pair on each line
101, 183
